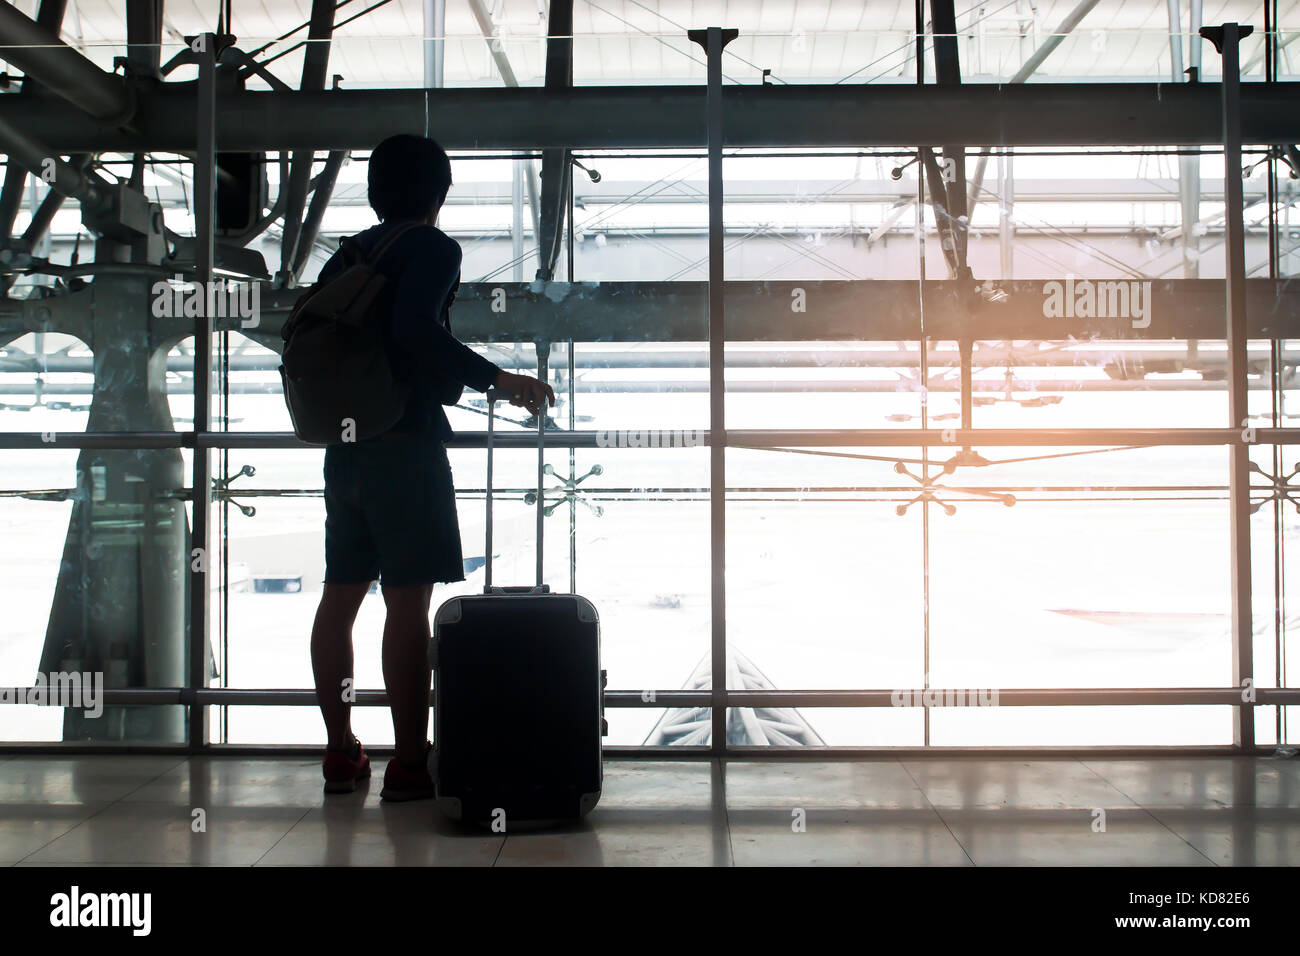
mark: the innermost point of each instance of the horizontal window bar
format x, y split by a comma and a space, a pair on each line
673, 439
665, 752
901, 697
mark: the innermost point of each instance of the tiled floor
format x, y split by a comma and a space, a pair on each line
942, 812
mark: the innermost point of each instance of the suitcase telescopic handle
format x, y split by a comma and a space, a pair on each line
493, 396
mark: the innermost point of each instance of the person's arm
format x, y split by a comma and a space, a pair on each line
431, 272
525, 391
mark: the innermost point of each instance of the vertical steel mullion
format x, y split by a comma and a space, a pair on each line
573, 473
543, 373
1228, 38
487, 492
223, 468
717, 400
1277, 389
713, 40
569, 244
923, 350
201, 493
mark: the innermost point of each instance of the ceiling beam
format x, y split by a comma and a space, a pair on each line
590, 117
49, 16
874, 310
36, 49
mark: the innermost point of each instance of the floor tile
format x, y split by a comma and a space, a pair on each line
1027, 784
236, 782
656, 783
1012, 836
137, 810
1239, 836
836, 837
624, 836
848, 784
352, 833
74, 780
161, 833
1207, 783
24, 829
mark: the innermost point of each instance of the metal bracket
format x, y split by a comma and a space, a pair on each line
567, 490
189, 55
1281, 488
930, 485
1215, 34
221, 489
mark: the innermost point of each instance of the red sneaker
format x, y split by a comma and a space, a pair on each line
343, 768
407, 783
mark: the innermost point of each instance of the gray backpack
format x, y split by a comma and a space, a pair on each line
338, 381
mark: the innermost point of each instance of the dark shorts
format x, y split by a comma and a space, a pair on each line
390, 513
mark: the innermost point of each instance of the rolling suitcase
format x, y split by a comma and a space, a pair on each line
518, 694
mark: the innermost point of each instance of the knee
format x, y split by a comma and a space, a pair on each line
408, 600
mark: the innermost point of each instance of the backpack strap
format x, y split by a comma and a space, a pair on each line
386, 243
446, 306
351, 250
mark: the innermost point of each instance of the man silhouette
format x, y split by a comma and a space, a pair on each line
390, 507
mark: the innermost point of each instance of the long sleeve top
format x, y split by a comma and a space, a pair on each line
423, 268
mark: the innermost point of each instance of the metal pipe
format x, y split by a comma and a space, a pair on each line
435, 42
930, 698
489, 30
320, 200
1175, 40
315, 65
736, 438
1194, 31
44, 162
42, 216
938, 385
1189, 167
45, 212
40, 54
689, 753
49, 15
527, 172
1027, 69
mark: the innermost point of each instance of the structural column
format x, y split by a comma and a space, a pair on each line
713, 40
1227, 39
205, 171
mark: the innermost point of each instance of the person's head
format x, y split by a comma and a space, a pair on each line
408, 178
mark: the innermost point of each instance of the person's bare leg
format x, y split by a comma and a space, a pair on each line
406, 668
331, 657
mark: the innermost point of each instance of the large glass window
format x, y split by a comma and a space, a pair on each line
976, 397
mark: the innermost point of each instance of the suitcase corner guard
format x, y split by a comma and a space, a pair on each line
448, 612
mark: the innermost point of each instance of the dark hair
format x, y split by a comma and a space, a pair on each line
408, 177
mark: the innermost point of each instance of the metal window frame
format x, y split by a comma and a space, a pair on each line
197, 696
